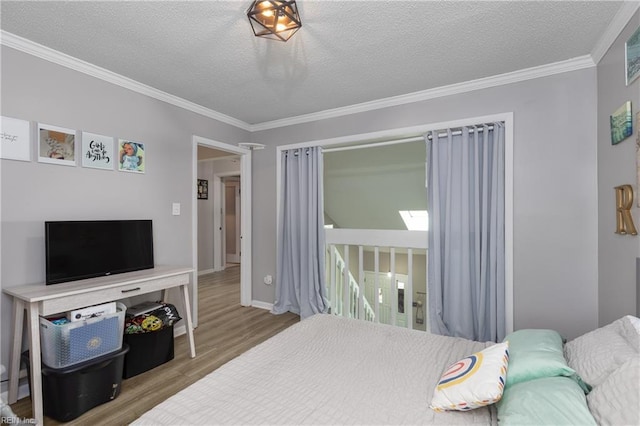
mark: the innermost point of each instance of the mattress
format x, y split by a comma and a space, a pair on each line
327, 370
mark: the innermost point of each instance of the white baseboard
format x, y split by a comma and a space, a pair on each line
262, 305
206, 271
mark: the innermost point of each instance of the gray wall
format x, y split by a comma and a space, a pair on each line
617, 293
31, 192
365, 188
555, 181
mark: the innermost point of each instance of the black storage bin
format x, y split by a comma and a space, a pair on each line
69, 392
147, 351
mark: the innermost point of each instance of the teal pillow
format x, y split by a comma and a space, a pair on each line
546, 401
537, 353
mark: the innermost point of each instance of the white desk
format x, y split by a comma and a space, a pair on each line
43, 300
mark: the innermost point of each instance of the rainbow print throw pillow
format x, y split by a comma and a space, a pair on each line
474, 381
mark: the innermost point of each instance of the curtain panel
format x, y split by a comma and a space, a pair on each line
466, 256
301, 286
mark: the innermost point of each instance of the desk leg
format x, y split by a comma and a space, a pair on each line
16, 347
36, 366
187, 307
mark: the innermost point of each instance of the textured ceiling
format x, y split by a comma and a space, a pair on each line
347, 52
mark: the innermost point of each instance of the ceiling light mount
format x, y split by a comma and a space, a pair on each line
274, 19
251, 146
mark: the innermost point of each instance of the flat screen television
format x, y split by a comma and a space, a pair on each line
77, 250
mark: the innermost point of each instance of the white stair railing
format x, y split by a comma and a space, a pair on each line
349, 300
356, 302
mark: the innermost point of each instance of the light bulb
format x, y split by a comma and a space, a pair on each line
265, 7
283, 22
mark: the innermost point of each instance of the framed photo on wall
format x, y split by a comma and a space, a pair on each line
632, 57
56, 145
131, 156
97, 151
621, 123
203, 189
16, 139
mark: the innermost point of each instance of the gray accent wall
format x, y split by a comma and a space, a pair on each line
617, 292
555, 188
40, 91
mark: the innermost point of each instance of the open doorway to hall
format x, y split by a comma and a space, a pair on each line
219, 209
212, 163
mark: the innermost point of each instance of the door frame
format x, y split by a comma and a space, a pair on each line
217, 187
238, 223
245, 218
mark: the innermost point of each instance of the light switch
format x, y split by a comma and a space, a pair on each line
175, 209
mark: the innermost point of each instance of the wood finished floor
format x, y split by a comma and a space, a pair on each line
225, 330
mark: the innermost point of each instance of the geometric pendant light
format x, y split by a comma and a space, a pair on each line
274, 19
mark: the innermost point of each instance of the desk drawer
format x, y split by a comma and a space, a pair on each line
62, 304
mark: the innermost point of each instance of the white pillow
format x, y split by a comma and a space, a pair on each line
474, 381
616, 401
598, 353
635, 322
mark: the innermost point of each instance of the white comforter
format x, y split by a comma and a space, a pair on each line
326, 370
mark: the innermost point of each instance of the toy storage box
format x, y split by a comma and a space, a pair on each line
75, 342
147, 351
69, 392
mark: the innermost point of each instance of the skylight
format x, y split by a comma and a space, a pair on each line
415, 220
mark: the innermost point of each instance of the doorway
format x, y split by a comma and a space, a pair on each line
231, 208
208, 222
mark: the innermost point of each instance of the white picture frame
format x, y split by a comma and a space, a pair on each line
56, 145
632, 57
97, 151
15, 141
131, 156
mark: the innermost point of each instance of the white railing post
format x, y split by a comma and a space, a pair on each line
332, 273
426, 298
376, 282
339, 274
393, 286
361, 282
346, 284
408, 290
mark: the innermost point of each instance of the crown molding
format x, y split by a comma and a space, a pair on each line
27, 46
617, 24
574, 64
48, 54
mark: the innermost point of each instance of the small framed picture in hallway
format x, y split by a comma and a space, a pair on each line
203, 189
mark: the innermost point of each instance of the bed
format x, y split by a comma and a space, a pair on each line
332, 370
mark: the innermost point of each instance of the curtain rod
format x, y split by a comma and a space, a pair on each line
373, 145
399, 141
459, 132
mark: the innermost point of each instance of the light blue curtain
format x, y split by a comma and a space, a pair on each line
301, 286
465, 190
